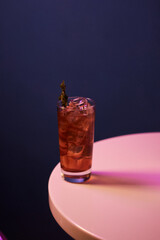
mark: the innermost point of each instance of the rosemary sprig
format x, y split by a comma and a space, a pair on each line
63, 97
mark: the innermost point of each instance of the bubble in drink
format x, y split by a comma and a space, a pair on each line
76, 134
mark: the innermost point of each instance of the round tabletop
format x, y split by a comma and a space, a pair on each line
121, 200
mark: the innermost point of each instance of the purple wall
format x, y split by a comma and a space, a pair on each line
106, 50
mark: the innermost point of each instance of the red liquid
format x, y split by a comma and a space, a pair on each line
76, 136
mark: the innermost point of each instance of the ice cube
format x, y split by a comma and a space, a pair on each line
74, 150
76, 109
80, 102
72, 115
80, 136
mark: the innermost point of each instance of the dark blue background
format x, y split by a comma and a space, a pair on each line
106, 50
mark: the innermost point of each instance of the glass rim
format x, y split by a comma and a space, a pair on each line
90, 100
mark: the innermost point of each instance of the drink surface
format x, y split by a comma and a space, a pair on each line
76, 135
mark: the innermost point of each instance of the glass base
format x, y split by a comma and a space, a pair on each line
76, 177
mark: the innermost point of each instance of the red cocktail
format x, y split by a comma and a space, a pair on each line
76, 136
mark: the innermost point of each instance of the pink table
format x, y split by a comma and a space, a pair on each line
121, 201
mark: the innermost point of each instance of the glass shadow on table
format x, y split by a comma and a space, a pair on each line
124, 178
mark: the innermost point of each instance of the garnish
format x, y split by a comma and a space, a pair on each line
63, 97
